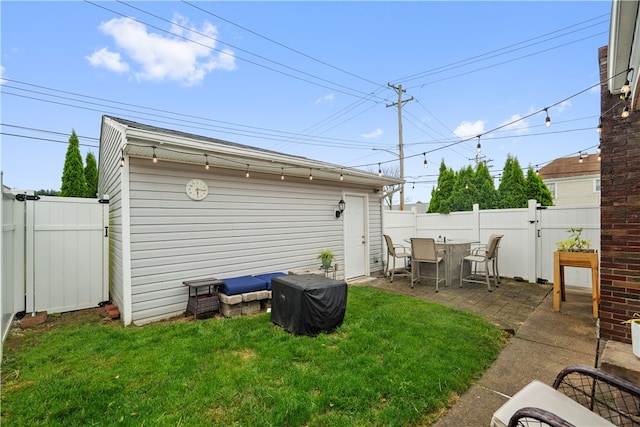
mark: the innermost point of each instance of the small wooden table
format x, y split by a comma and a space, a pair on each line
205, 301
575, 259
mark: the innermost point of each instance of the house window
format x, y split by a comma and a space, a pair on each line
552, 189
596, 185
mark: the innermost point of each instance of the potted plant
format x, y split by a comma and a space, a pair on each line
575, 242
574, 252
326, 256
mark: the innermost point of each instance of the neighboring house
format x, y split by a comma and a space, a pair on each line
419, 207
573, 183
252, 211
620, 171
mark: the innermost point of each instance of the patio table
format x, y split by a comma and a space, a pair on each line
205, 295
455, 250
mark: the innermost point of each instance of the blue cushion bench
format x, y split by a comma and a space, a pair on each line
243, 284
269, 276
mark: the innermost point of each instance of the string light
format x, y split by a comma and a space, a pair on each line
310, 175
281, 174
379, 170
625, 112
581, 159
155, 158
341, 176
206, 162
547, 121
599, 128
626, 87
478, 147
122, 158
247, 175
537, 170
426, 165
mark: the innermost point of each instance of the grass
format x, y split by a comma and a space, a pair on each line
395, 360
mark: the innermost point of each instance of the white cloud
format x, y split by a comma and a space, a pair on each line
375, 134
326, 98
469, 129
563, 106
109, 60
158, 58
517, 125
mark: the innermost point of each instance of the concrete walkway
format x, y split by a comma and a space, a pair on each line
543, 342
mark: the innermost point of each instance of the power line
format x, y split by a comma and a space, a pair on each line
235, 56
283, 45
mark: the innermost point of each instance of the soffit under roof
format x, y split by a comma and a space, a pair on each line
182, 147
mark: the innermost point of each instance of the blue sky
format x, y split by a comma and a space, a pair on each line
306, 78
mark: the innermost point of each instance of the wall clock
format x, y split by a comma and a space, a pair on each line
197, 189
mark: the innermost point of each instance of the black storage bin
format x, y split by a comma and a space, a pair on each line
308, 304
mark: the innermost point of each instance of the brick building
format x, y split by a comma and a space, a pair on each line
620, 176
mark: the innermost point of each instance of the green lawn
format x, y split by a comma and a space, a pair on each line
395, 360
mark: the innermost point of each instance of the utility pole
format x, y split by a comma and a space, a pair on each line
400, 147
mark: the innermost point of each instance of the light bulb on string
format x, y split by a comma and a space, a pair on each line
581, 159
341, 176
625, 112
122, 158
206, 162
547, 121
599, 128
310, 175
425, 163
379, 170
281, 174
478, 147
247, 174
155, 158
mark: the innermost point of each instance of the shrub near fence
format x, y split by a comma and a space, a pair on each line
530, 235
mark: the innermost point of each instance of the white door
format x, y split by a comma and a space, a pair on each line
356, 236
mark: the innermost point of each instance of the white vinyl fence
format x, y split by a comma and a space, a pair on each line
54, 254
530, 235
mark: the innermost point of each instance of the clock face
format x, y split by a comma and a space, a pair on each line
197, 189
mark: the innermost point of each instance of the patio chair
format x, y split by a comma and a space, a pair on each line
480, 248
580, 396
487, 256
423, 250
395, 252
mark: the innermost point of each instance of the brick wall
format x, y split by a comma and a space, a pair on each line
619, 214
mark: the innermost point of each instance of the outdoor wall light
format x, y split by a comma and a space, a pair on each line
341, 206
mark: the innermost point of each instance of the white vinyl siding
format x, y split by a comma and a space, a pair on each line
575, 191
110, 181
245, 226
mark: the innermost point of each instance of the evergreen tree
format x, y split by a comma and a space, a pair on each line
512, 191
74, 183
440, 195
91, 175
536, 189
461, 196
484, 190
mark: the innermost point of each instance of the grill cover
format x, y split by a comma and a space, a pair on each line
308, 304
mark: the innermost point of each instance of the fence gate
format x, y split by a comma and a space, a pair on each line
66, 253
552, 224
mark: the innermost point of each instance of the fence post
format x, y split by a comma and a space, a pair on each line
532, 241
476, 221
29, 251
